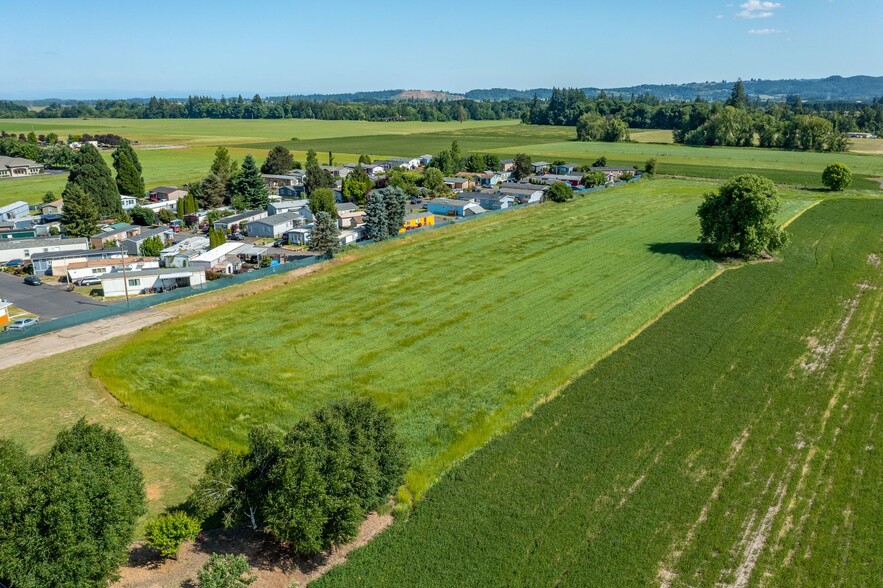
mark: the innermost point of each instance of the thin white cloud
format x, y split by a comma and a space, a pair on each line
719, 16
765, 31
758, 9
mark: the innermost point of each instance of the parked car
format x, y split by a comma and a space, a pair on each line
280, 242
88, 281
22, 324
237, 236
33, 281
14, 263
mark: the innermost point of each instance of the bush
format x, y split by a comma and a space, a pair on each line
592, 179
627, 177
225, 571
650, 166
837, 177
167, 532
560, 192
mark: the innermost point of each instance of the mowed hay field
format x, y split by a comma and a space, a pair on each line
458, 331
735, 442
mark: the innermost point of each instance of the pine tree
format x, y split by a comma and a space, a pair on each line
395, 203
325, 236
738, 98
128, 168
79, 217
250, 185
214, 191
91, 173
279, 161
376, 227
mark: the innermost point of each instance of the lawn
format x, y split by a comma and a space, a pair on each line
735, 442
458, 331
41, 398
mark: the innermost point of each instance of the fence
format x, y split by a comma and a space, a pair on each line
100, 312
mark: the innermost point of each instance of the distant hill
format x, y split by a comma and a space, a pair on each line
832, 88
427, 95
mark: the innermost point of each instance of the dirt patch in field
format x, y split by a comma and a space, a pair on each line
153, 491
271, 565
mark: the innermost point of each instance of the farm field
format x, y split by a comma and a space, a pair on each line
40, 399
735, 442
458, 334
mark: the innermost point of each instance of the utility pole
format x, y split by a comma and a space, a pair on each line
125, 277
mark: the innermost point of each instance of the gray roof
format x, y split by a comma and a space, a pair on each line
112, 232
277, 219
166, 189
88, 253
233, 218
6, 244
6, 161
346, 206
449, 202
149, 233
13, 206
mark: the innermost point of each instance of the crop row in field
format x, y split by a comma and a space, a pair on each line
458, 331
735, 442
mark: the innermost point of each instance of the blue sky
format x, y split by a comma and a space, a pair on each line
174, 48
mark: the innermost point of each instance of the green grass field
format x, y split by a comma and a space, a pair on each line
40, 399
458, 331
736, 442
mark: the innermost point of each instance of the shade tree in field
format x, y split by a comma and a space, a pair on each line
836, 177
90, 172
68, 515
129, 179
325, 234
595, 127
279, 161
250, 186
740, 218
79, 217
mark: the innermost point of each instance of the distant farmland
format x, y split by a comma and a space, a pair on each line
736, 442
458, 331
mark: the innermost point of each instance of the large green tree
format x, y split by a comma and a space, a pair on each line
740, 218
151, 246
79, 216
279, 161
213, 191
322, 200
251, 186
316, 177
522, 166
356, 186
325, 235
128, 168
837, 177
376, 227
434, 181
396, 205
560, 192
70, 514
90, 172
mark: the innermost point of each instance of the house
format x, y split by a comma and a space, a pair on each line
166, 194
53, 207
54, 263
291, 191
301, 207
572, 180
133, 244
118, 283
129, 202
179, 254
346, 206
348, 237
529, 194
496, 201
275, 226
402, 162
18, 167
98, 267
507, 165
448, 207
299, 236
157, 206
491, 179
564, 168
24, 248
274, 181
4, 313
221, 258
539, 167
349, 219
425, 159
613, 173
459, 184
338, 171
114, 234
15, 210
417, 221
372, 169
232, 223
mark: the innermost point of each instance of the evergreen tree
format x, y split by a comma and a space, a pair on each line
325, 235
91, 173
395, 202
222, 165
365, 159
250, 185
179, 208
738, 98
79, 216
522, 166
213, 191
125, 162
316, 177
216, 237
376, 227
279, 161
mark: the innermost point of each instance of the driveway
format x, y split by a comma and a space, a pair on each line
47, 302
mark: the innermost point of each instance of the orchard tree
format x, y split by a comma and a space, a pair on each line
128, 168
325, 235
836, 177
740, 219
79, 216
279, 161
250, 185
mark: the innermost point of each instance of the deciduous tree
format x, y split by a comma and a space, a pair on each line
322, 200
151, 246
560, 192
522, 166
836, 177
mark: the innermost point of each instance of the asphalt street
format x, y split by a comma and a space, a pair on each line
47, 302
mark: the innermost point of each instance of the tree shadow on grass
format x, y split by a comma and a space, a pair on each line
689, 251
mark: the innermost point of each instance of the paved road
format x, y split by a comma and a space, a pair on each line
47, 302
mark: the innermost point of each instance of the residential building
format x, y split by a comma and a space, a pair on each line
166, 194
525, 194
349, 219
425, 159
179, 254
275, 226
564, 168
372, 169
348, 238
291, 191
15, 210
24, 248
98, 267
129, 202
299, 236
496, 201
54, 263
114, 235
571, 179
507, 165
338, 171
418, 221
448, 207
220, 259
301, 207
346, 206
232, 223
539, 167
18, 167
133, 244
459, 184
118, 283
53, 207
274, 181
613, 173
